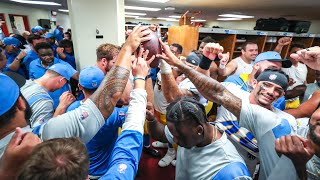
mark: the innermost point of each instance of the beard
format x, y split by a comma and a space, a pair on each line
313, 136
27, 111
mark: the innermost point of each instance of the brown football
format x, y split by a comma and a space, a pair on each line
154, 48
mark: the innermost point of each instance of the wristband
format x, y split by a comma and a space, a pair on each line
205, 63
138, 77
165, 67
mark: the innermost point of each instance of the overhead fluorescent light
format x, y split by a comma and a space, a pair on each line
63, 10
157, 1
133, 13
170, 8
37, 2
228, 19
142, 8
168, 19
144, 18
130, 16
198, 20
174, 16
235, 16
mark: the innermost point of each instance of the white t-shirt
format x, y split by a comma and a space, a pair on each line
243, 67
187, 84
159, 101
204, 162
267, 126
298, 74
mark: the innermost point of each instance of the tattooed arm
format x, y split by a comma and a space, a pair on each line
111, 88
208, 87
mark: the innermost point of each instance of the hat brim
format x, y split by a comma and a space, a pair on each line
20, 80
285, 62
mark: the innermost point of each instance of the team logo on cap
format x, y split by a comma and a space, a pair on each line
273, 77
122, 168
94, 84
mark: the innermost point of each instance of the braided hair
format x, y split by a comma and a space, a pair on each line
186, 108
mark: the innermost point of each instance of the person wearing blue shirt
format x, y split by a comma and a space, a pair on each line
51, 39
14, 56
58, 33
101, 145
46, 59
65, 52
33, 39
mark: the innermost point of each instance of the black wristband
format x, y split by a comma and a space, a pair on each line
205, 63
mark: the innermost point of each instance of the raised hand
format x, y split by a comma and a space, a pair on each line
167, 55
137, 35
224, 58
140, 66
298, 149
309, 56
284, 41
211, 50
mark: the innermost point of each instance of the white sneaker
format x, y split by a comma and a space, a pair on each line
158, 144
173, 162
168, 158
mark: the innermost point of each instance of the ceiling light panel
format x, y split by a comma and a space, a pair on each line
133, 13
156, 1
37, 2
142, 8
235, 16
229, 19
63, 10
143, 18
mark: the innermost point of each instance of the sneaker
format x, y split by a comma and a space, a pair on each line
158, 144
173, 162
167, 159
152, 152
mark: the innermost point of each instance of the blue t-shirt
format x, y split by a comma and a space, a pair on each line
31, 55
36, 70
125, 156
236, 79
102, 144
54, 47
58, 35
10, 59
70, 59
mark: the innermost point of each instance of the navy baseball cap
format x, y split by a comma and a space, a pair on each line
49, 35
193, 59
9, 93
273, 56
91, 77
62, 69
11, 41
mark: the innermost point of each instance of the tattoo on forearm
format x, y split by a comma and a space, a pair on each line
212, 90
110, 90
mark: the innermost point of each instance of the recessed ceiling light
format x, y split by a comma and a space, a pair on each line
129, 16
157, 1
37, 2
174, 16
143, 18
228, 19
235, 16
142, 8
133, 13
199, 20
169, 8
63, 10
168, 19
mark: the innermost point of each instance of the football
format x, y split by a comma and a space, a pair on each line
154, 48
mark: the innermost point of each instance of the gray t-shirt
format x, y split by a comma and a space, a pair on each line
40, 102
83, 122
311, 88
267, 126
204, 162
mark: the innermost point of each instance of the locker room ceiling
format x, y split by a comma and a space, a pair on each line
290, 9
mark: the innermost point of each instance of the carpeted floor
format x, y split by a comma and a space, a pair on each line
149, 169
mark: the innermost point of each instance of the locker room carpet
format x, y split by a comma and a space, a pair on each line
149, 169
